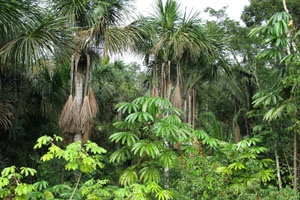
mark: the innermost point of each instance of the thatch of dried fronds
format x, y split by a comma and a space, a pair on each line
93, 102
85, 115
169, 90
154, 92
65, 114
177, 97
73, 125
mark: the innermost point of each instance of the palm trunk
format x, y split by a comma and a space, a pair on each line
78, 100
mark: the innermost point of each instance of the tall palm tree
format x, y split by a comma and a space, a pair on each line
97, 30
30, 34
174, 39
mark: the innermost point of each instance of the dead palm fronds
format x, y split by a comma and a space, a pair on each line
66, 114
85, 115
177, 96
154, 91
93, 103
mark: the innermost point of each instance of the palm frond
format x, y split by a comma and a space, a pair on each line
39, 42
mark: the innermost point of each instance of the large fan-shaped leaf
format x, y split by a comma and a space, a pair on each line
128, 177
120, 155
144, 146
127, 138
150, 174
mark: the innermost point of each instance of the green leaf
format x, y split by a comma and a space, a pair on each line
71, 166
23, 189
127, 138
237, 166
139, 117
164, 195
26, 171
167, 158
144, 146
150, 174
120, 155
265, 162
266, 175
8, 170
3, 182
43, 141
41, 185
128, 177
47, 157
224, 170
127, 107
153, 187
122, 192
94, 148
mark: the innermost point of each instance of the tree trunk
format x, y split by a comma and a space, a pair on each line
278, 168
78, 100
190, 112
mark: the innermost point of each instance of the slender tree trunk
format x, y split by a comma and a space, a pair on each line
190, 108
162, 81
278, 168
194, 108
185, 110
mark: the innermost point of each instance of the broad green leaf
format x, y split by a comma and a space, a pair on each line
153, 187
127, 138
224, 170
54, 149
3, 182
41, 185
167, 158
128, 177
23, 189
164, 195
122, 192
139, 117
26, 171
267, 175
120, 155
257, 150
71, 166
42, 141
47, 157
150, 174
94, 148
237, 166
127, 107
8, 170
144, 146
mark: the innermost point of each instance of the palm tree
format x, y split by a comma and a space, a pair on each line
30, 36
175, 39
97, 34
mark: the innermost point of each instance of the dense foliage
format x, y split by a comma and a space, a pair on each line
211, 114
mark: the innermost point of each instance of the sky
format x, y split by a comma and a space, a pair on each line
146, 7
234, 10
